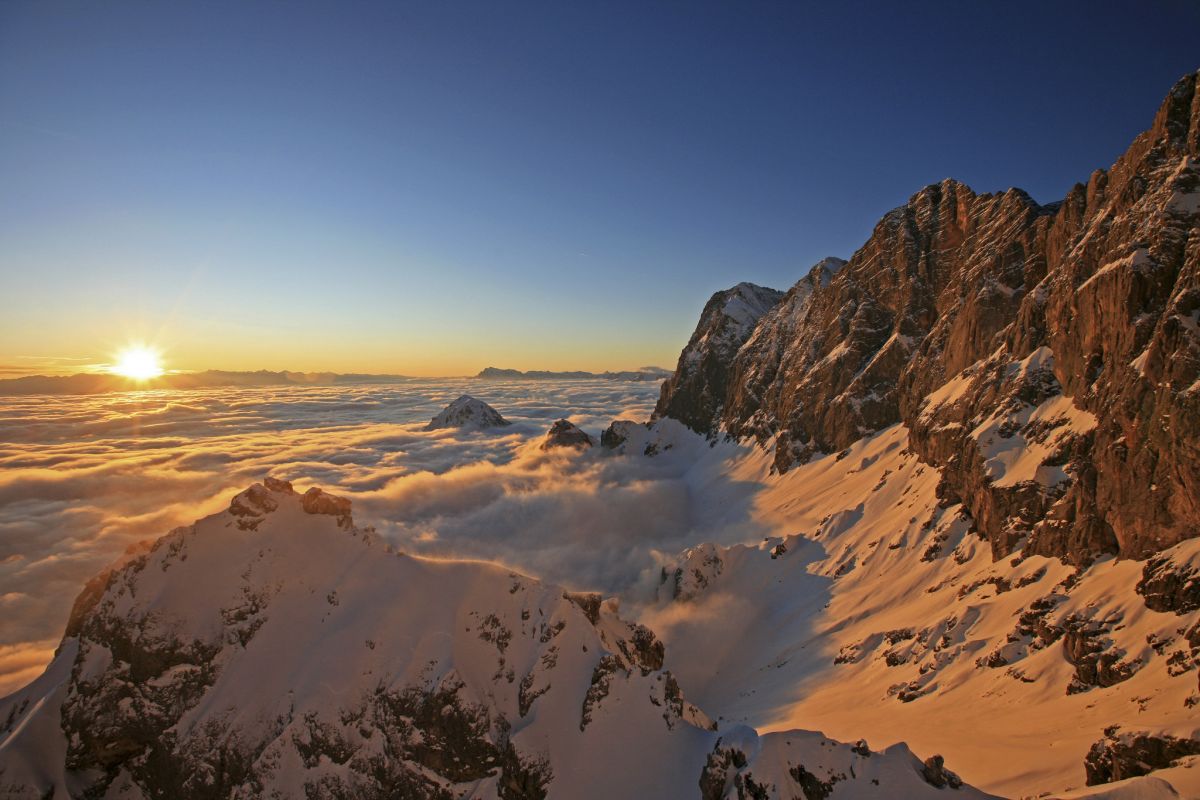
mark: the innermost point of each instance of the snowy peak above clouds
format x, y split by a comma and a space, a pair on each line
1046, 357
277, 649
745, 304
468, 413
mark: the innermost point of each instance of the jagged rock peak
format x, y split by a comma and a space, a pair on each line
824, 270
695, 393
618, 432
950, 298
1178, 118
565, 433
745, 303
318, 501
467, 412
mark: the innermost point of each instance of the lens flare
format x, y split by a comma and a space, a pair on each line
139, 363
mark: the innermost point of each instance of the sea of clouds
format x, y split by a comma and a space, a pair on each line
82, 478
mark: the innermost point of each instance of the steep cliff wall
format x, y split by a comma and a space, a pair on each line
1046, 358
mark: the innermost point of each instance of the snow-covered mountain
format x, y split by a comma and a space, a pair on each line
277, 650
976, 425
468, 413
973, 445
879, 612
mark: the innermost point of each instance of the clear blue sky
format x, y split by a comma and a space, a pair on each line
433, 187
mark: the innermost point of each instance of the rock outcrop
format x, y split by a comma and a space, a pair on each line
618, 432
1063, 336
565, 433
468, 413
1127, 755
935, 773
1171, 580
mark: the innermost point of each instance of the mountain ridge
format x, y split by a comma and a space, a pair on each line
642, 374
277, 649
959, 285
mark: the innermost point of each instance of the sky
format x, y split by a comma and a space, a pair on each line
431, 188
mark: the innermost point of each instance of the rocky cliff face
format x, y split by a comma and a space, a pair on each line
1046, 358
696, 393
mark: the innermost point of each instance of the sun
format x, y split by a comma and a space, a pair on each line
139, 363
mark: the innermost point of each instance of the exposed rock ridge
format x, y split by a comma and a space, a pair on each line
988, 323
696, 392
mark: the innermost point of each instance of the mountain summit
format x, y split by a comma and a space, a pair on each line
990, 326
469, 413
695, 393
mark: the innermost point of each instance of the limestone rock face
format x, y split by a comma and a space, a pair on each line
468, 413
754, 389
617, 433
1171, 580
1045, 358
696, 393
1127, 755
566, 434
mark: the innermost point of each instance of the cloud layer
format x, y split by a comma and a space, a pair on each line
82, 478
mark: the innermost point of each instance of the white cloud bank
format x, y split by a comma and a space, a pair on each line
82, 478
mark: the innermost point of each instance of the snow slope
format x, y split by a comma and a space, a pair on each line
276, 649
875, 611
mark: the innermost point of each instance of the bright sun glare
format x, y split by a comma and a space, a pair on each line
138, 362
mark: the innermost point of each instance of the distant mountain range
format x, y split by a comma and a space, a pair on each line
643, 374
101, 382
